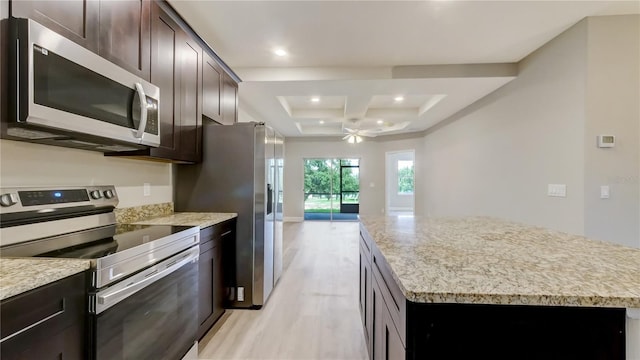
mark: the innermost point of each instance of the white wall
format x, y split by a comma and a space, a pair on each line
371, 153
613, 108
25, 164
497, 156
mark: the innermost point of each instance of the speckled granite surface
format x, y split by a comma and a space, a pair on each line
490, 261
20, 275
189, 219
132, 214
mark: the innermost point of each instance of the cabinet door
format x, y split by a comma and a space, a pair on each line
386, 340
165, 73
230, 101
378, 322
45, 323
205, 287
217, 278
190, 100
125, 33
76, 20
67, 344
211, 88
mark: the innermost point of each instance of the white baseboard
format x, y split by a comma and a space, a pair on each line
292, 219
400, 209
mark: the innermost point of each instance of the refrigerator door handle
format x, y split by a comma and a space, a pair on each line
269, 198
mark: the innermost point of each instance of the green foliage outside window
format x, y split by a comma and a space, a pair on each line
323, 176
405, 177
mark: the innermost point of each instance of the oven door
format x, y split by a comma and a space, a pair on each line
60, 85
151, 315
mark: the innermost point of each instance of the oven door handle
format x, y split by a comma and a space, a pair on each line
114, 295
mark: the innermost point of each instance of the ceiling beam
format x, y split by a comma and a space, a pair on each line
313, 73
356, 106
455, 71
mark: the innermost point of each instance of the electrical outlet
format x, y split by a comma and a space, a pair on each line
146, 189
557, 190
240, 294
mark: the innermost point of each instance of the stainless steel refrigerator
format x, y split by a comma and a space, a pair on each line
241, 172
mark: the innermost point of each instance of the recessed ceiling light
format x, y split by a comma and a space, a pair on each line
280, 52
380, 122
398, 99
321, 122
315, 99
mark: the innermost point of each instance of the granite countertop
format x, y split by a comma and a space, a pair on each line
18, 275
490, 261
202, 219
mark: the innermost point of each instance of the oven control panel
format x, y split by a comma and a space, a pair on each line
47, 197
39, 199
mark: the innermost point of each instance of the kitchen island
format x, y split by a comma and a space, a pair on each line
485, 287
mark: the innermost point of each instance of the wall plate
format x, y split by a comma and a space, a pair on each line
606, 141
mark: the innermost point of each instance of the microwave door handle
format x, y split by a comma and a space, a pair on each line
143, 111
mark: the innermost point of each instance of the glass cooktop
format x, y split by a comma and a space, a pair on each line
125, 236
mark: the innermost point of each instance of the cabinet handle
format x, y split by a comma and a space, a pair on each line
225, 233
34, 324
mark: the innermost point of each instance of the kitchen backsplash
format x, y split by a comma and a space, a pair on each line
136, 213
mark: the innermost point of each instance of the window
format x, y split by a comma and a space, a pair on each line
405, 177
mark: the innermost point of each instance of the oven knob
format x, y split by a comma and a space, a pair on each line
8, 199
96, 194
109, 194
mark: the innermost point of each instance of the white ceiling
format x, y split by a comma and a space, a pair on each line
345, 52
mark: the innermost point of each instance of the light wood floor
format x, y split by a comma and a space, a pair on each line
313, 311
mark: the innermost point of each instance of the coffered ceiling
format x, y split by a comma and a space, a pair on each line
356, 57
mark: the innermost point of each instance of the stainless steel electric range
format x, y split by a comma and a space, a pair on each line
142, 294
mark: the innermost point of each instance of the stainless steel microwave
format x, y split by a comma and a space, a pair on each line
63, 94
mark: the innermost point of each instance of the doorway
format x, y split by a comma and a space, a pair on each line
400, 180
331, 189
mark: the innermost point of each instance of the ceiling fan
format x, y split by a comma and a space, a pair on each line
354, 133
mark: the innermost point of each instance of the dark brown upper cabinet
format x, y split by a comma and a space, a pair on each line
212, 75
119, 31
229, 100
125, 33
176, 63
190, 101
165, 70
74, 19
150, 40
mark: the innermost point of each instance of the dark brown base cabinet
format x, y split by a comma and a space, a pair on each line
58, 310
395, 328
213, 272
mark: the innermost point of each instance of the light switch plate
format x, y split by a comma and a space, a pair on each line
557, 190
146, 189
604, 192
